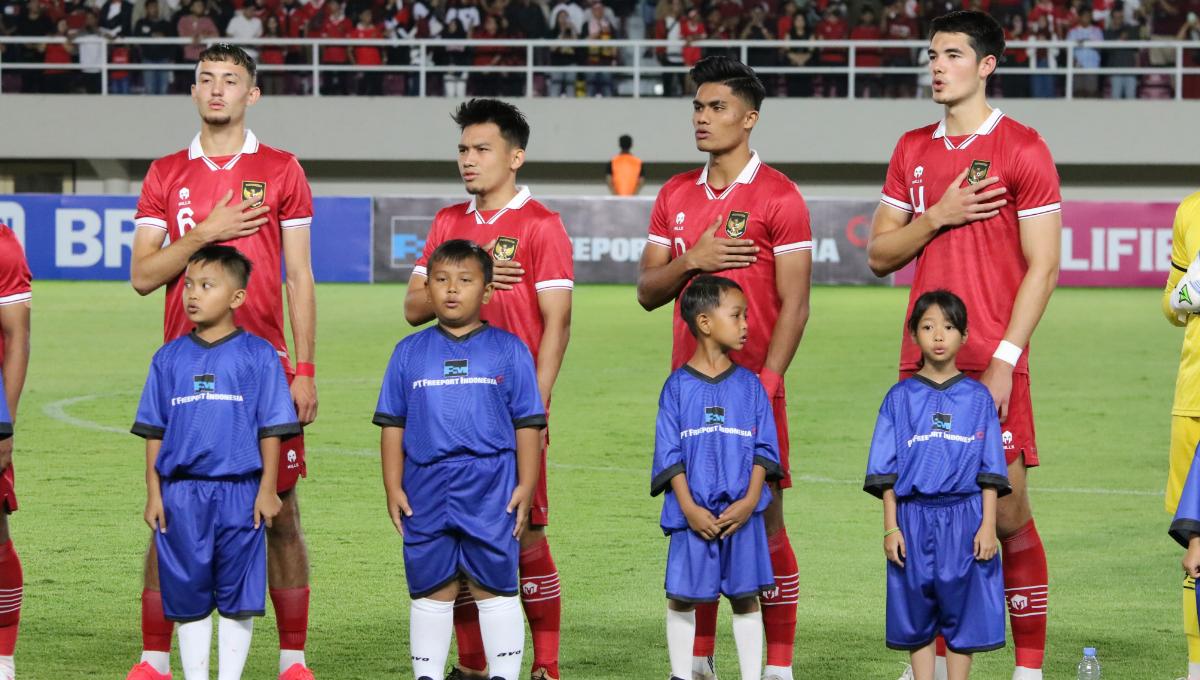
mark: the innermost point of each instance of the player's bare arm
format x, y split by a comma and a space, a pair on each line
302, 311
1191, 559
1041, 241
986, 543
661, 278
793, 279
154, 266
896, 238
505, 273
699, 519
529, 459
893, 541
738, 513
267, 503
391, 456
555, 306
417, 307
156, 517
15, 327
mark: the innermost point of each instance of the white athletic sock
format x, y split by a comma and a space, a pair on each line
702, 666
161, 661
233, 646
8, 667
430, 627
785, 673
1193, 671
502, 627
195, 646
748, 636
1023, 673
939, 668
291, 657
681, 635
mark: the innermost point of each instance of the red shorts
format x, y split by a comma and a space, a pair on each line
539, 510
779, 408
291, 453
8, 490
1018, 432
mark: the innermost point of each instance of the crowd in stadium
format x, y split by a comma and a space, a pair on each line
90, 26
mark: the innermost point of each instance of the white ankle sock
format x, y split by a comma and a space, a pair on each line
233, 646
430, 627
502, 627
1023, 673
160, 661
8, 667
748, 636
681, 635
291, 657
781, 671
1193, 671
195, 646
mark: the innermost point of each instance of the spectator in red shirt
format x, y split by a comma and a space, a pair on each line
486, 84
197, 25
1014, 80
335, 26
832, 27
1049, 17
58, 81
868, 85
370, 82
691, 30
271, 82
783, 25
898, 24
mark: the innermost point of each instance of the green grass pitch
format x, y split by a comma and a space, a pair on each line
1104, 363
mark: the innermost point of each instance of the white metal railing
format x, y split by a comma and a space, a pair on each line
636, 59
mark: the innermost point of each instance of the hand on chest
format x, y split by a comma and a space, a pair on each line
193, 201
929, 182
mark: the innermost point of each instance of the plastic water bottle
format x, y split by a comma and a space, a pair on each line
1089, 668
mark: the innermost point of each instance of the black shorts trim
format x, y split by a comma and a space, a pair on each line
662, 481
1182, 530
462, 574
189, 619
430, 591
246, 614
976, 650
693, 600
909, 648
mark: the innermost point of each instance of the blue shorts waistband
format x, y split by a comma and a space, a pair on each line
939, 501
248, 477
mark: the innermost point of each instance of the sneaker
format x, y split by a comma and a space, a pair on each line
541, 674
907, 674
297, 671
703, 668
144, 671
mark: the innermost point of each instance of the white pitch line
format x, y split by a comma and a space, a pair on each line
57, 411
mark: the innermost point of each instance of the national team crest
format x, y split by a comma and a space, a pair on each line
505, 249
254, 191
204, 383
714, 415
941, 421
978, 171
735, 226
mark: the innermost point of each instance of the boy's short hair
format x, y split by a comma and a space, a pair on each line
231, 260
230, 53
741, 79
460, 250
952, 307
625, 142
703, 295
513, 126
982, 31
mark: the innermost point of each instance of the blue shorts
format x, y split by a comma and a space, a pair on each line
942, 588
699, 570
211, 557
459, 525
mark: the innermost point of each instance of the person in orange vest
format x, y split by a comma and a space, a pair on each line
625, 175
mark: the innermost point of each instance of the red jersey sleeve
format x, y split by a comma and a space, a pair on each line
432, 241
296, 204
1035, 180
15, 278
895, 187
152, 203
659, 223
553, 264
789, 229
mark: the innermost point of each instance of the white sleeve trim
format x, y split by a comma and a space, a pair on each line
659, 241
15, 298
1043, 210
792, 247
554, 284
296, 223
899, 205
419, 270
150, 222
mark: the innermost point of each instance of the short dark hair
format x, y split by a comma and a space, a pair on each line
513, 126
703, 295
741, 79
984, 33
951, 305
230, 53
459, 250
231, 260
626, 143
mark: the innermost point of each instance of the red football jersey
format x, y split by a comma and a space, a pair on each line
179, 192
762, 204
525, 231
16, 283
981, 262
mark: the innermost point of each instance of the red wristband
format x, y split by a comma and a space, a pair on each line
306, 369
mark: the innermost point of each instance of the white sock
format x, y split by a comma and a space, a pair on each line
748, 636
781, 671
1193, 671
1023, 673
291, 657
502, 627
233, 646
939, 668
703, 666
195, 646
8, 667
430, 627
160, 661
681, 635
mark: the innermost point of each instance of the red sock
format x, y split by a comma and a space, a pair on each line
156, 629
1026, 592
291, 616
466, 631
939, 646
779, 605
541, 595
706, 629
11, 589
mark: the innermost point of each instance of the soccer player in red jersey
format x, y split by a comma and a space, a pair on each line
748, 221
974, 200
534, 276
227, 187
15, 296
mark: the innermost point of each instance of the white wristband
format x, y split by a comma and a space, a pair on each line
1007, 352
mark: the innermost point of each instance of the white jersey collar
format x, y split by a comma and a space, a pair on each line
195, 150
746, 176
523, 196
986, 129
